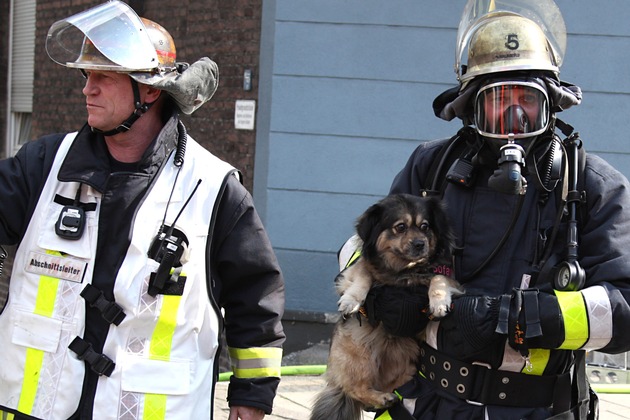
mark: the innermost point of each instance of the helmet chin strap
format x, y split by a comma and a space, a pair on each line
137, 113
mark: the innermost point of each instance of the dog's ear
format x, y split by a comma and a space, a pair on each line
367, 223
441, 227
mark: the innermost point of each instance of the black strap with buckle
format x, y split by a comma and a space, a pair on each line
99, 363
111, 311
478, 384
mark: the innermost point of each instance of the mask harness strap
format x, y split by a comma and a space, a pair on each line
140, 109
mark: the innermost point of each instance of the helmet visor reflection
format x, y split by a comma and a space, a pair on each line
107, 37
520, 109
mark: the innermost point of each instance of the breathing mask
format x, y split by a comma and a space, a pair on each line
511, 110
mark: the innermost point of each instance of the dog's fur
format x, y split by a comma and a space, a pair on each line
403, 238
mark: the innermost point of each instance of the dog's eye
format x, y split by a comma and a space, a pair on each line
400, 228
424, 226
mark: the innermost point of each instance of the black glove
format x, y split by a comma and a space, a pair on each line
527, 318
402, 310
469, 329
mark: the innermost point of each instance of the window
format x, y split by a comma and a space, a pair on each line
21, 74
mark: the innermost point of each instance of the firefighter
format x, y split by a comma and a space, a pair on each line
543, 237
136, 246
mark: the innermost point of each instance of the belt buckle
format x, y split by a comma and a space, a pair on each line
487, 366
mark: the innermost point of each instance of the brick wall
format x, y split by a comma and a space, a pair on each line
228, 31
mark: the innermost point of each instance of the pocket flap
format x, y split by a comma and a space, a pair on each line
36, 331
154, 376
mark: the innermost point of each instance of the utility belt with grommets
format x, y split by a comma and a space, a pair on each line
478, 384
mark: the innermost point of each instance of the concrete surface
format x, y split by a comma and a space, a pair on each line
297, 393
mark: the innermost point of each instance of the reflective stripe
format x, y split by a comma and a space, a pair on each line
384, 416
256, 362
162, 338
44, 306
538, 359
154, 407
32, 369
6, 416
348, 251
160, 349
599, 317
513, 361
575, 318
354, 257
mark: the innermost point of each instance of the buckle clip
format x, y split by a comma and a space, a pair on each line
110, 311
99, 363
488, 367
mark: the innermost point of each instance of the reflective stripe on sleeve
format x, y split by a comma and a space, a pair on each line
599, 317
256, 362
4, 415
575, 317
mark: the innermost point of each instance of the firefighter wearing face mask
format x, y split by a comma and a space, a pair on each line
543, 240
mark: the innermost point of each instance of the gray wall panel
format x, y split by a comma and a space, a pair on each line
348, 97
309, 280
309, 221
365, 52
598, 63
335, 164
415, 13
592, 17
599, 120
352, 107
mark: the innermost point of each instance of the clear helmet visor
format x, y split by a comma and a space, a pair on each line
518, 109
108, 37
544, 13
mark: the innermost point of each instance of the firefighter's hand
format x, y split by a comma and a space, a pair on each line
402, 310
468, 332
246, 413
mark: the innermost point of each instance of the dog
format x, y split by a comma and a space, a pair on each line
403, 239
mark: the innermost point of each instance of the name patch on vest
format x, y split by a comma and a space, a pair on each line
65, 268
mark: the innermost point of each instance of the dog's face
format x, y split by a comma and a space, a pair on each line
403, 231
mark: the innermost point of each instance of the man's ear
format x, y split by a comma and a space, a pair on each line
152, 94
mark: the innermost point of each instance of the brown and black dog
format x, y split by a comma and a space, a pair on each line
403, 238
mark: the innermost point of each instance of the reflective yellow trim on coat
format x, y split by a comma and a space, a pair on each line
575, 318
256, 362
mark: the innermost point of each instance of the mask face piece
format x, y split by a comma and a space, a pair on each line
511, 109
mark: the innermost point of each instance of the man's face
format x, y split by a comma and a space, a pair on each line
519, 109
109, 98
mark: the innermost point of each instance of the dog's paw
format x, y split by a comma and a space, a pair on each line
439, 311
439, 306
348, 305
382, 400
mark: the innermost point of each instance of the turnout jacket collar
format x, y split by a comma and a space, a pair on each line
88, 160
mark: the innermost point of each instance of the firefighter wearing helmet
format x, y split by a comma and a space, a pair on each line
133, 242
542, 240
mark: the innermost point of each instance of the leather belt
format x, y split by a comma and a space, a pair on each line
478, 384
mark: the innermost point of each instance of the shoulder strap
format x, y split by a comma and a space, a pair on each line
581, 188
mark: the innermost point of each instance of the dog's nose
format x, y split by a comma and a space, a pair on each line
418, 244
